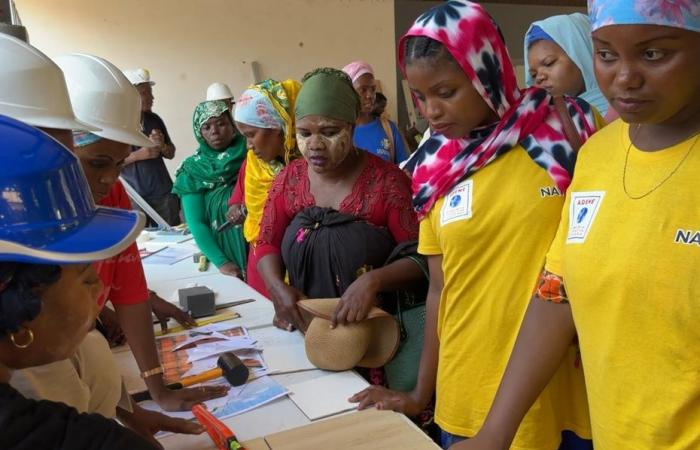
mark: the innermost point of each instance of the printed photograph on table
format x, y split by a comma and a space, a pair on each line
180, 353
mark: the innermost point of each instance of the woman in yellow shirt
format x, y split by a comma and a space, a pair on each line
488, 187
623, 269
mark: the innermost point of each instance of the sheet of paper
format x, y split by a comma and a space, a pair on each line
239, 399
177, 363
308, 394
197, 338
216, 348
286, 358
251, 358
283, 351
169, 255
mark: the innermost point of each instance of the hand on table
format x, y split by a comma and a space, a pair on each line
231, 269
110, 324
165, 310
185, 399
287, 314
383, 398
147, 423
357, 301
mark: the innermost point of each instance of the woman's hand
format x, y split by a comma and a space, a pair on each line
287, 314
236, 214
357, 301
147, 423
110, 324
383, 398
185, 399
164, 310
231, 269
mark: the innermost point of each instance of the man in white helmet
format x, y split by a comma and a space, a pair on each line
145, 168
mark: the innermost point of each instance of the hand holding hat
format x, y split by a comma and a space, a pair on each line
369, 343
357, 300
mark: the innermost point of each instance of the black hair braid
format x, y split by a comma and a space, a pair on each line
19, 300
423, 47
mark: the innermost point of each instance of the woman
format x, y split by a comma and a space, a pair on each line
265, 117
637, 323
559, 58
334, 193
377, 135
204, 182
50, 232
492, 173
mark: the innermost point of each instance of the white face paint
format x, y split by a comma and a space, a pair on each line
324, 144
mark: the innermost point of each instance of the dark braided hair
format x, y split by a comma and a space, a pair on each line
423, 47
19, 299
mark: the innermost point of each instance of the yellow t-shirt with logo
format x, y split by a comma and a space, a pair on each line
632, 272
493, 231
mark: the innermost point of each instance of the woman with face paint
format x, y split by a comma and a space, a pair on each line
634, 193
205, 182
559, 58
265, 117
488, 188
334, 214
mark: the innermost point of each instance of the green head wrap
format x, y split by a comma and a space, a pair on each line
329, 93
205, 111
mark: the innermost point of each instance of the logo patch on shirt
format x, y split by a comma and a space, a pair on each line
458, 203
582, 211
687, 237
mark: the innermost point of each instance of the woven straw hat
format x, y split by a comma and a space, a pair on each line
370, 343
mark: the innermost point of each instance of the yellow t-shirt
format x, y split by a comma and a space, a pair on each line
493, 231
632, 272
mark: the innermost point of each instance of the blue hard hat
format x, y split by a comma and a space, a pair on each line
47, 214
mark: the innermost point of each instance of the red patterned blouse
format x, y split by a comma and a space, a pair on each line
381, 196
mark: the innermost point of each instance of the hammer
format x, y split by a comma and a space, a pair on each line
230, 367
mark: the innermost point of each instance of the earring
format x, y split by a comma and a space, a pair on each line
29, 342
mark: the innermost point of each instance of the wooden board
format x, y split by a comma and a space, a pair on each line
256, 444
363, 430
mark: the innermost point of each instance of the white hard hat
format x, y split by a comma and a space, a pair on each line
32, 88
218, 91
138, 76
103, 97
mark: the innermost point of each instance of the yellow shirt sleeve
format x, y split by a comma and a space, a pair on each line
427, 240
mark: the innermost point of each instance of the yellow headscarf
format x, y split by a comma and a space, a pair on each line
259, 175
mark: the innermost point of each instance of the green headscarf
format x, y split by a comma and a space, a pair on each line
327, 92
213, 174
209, 168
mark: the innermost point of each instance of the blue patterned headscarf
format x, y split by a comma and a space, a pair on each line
683, 14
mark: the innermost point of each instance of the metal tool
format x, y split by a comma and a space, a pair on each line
228, 224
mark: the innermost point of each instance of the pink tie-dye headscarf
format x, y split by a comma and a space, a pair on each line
526, 116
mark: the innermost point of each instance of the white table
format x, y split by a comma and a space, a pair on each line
279, 415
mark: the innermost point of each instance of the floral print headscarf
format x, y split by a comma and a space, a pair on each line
525, 117
671, 13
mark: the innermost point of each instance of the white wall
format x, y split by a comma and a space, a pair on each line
189, 44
